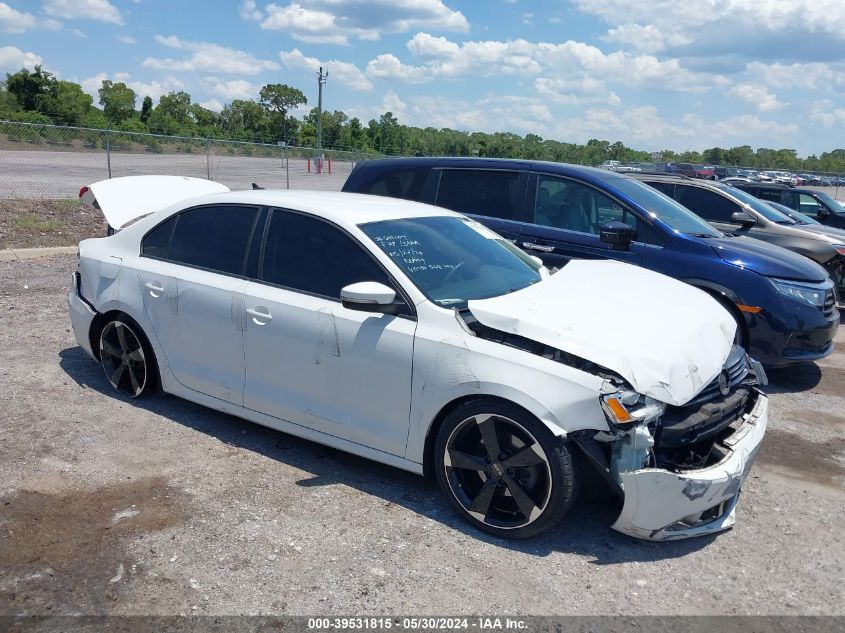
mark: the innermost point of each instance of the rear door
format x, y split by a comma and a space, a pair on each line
495, 197
565, 218
192, 294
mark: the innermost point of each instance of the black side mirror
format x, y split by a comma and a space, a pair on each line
618, 234
743, 218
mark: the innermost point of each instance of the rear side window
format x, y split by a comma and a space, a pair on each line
304, 253
666, 187
494, 193
213, 237
157, 241
406, 184
706, 204
769, 194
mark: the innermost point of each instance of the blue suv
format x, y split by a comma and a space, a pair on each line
784, 304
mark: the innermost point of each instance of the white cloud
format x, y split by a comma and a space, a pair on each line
338, 21
757, 95
13, 59
576, 91
79, 33
154, 89
208, 57
661, 24
14, 21
344, 73
100, 10
388, 66
569, 62
392, 103
811, 76
212, 104
647, 38
126, 39
233, 89
249, 11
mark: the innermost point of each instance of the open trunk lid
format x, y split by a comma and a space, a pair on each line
122, 200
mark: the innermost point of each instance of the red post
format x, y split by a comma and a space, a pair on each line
319, 166
330, 166
309, 165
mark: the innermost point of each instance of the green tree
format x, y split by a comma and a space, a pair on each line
281, 99
146, 108
66, 103
117, 99
30, 88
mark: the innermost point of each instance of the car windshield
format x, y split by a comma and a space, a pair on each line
831, 204
664, 208
768, 212
453, 260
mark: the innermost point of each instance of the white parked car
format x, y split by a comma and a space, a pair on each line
416, 337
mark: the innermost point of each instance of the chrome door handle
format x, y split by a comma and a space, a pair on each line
538, 247
258, 317
155, 290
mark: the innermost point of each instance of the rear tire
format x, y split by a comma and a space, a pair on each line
503, 471
126, 358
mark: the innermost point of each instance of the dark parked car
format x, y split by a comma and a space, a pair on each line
783, 303
817, 204
693, 171
732, 210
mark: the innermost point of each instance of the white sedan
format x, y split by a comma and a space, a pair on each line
416, 337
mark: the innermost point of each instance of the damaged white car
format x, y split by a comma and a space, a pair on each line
416, 337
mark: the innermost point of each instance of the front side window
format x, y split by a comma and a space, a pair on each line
453, 260
307, 254
494, 193
663, 207
567, 204
214, 237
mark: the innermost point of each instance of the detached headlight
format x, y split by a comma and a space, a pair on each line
626, 409
812, 294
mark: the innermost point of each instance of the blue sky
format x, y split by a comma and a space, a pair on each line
654, 74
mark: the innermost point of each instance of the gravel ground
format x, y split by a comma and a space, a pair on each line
165, 507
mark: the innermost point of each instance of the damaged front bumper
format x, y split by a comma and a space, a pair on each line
662, 505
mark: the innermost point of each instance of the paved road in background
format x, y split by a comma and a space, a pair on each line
44, 174
51, 174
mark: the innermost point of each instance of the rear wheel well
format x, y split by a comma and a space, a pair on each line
434, 428
100, 322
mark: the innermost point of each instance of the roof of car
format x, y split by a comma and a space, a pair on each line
338, 207
488, 163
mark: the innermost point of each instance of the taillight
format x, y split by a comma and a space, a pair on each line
83, 190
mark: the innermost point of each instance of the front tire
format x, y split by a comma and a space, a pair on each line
126, 358
503, 471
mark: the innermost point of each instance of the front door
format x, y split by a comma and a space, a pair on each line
567, 217
313, 362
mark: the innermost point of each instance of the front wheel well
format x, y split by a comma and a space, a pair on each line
434, 428
730, 306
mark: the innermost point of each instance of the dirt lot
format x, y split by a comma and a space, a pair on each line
165, 507
33, 222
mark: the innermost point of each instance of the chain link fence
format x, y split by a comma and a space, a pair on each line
51, 161
47, 161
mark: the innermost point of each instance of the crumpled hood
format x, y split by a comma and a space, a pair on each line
767, 259
666, 338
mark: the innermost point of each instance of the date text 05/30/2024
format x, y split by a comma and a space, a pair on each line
417, 624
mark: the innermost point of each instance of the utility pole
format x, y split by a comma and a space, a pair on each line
321, 81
